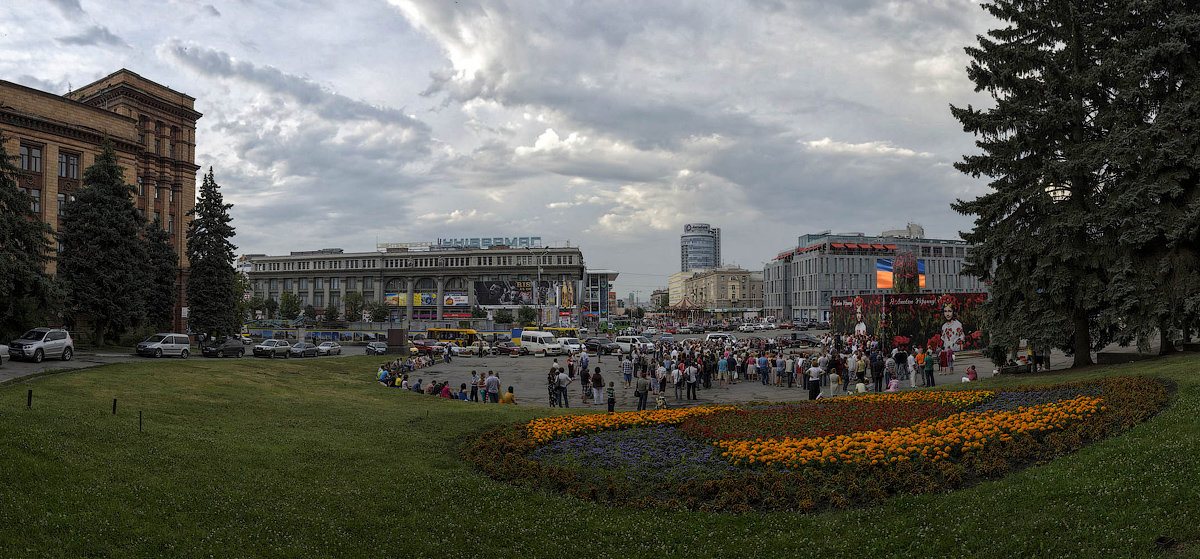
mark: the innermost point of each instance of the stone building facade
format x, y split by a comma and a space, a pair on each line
152, 129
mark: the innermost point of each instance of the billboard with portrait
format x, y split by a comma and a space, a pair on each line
936, 320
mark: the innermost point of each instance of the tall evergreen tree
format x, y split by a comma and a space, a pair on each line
211, 293
162, 268
1038, 234
1155, 151
102, 262
26, 289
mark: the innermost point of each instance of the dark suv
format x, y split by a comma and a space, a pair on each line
40, 343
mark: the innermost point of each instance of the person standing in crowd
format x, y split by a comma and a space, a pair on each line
929, 364
692, 378
563, 380
913, 373
474, 386
722, 373
641, 389
814, 381
597, 387
492, 386
677, 381
627, 371
891, 371
612, 396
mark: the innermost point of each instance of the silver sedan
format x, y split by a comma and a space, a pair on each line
329, 348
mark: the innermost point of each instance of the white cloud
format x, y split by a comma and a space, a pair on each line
876, 148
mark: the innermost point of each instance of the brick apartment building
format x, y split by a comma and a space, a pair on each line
152, 128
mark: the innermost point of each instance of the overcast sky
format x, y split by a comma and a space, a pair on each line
606, 124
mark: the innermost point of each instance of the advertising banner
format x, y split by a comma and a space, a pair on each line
936, 320
396, 299
456, 300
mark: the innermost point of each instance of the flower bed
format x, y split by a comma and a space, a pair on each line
811, 455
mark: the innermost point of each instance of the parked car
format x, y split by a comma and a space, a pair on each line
651, 331
376, 348
600, 345
3, 354
329, 348
424, 345
541, 342
746, 328
719, 336
230, 347
246, 339
683, 330
303, 349
272, 348
454, 349
667, 338
159, 345
40, 343
823, 325
804, 339
509, 348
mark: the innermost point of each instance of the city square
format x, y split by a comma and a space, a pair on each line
427, 279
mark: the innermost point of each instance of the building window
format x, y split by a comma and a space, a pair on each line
35, 204
31, 159
158, 218
171, 223
156, 146
68, 165
62, 201
334, 283
368, 283
319, 283
156, 194
172, 195
141, 189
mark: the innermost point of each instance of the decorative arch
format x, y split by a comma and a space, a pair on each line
426, 284
395, 285
456, 284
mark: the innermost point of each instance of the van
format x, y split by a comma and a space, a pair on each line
720, 337
159, 345
629, 343
541, 341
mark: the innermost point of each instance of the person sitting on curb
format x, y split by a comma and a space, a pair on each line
509, 397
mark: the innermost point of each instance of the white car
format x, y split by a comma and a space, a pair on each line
454, 349
651, 331
3, 354
746, 328
329, 348
571, 345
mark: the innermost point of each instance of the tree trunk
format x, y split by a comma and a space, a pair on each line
1165, 346
1083, 339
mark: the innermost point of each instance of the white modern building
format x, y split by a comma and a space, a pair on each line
699, 247
800, 282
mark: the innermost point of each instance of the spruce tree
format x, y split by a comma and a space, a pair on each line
1154, 223
102, 262
1038, 234
27, 291
162, 268
211, 293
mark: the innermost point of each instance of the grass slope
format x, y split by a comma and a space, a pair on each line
297, 458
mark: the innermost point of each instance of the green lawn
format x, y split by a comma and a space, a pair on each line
313, 458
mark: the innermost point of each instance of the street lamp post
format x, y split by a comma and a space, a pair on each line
538, 285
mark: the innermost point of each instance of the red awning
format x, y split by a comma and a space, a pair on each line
837, 245
880, 247
890, 247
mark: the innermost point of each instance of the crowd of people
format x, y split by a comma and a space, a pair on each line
481, 388
838, 364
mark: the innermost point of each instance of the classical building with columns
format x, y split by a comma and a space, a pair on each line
151, 127
424, 281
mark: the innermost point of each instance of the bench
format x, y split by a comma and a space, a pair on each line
1016, 369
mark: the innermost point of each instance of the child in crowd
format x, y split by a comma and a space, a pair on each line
660, 401
612, 396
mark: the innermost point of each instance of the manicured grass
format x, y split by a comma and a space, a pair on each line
313, 458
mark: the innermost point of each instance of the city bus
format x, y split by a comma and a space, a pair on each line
464, 337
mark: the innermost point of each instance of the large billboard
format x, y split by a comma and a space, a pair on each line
515, 293
947, 320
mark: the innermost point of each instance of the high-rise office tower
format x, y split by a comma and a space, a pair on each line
699, 247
